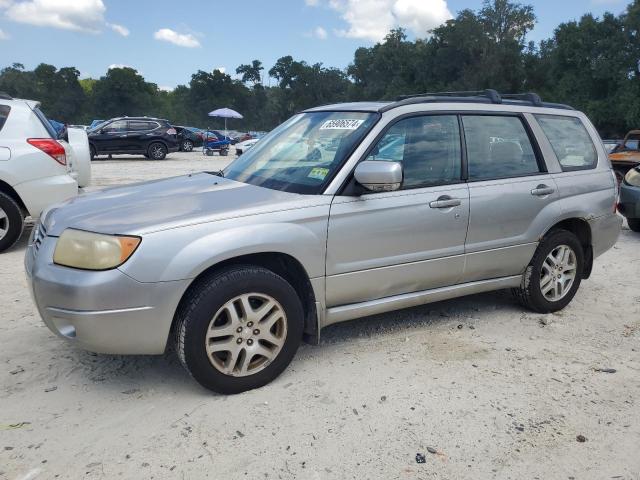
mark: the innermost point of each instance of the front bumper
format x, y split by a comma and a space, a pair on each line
629, 205
104, 312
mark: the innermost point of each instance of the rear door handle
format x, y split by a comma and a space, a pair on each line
542, 190
445, 202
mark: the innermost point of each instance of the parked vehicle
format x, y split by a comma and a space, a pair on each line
239, 265
629, 205
610, 145
244, 146
189, 138
242, 137
34, 167
151, 137
626, 155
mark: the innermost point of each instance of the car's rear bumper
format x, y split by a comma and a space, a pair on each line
629, 205
39, 194
104, 312
605, 231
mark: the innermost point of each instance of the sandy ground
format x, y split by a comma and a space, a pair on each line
494, 391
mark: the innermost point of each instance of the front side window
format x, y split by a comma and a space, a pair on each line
570, 141
498, 147
428, 148
115, 127
302, 154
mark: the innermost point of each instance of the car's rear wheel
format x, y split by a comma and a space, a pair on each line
187, 146
238, 328
553, 277
157, 151
634, 224
11, 222
224, 152
92, 151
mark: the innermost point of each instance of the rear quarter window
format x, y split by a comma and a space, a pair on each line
570, 141
4, 114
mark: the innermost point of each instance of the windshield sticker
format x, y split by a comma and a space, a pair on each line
344, 124
318, 173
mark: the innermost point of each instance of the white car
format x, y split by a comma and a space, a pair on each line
246, 145
35, 166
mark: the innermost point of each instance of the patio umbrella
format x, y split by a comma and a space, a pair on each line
225, 113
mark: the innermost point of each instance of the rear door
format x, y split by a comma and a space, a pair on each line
511, 195
139, 134
385, 244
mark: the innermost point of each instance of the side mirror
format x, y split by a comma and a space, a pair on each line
379, 176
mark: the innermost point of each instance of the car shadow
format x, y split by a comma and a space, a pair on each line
460, 311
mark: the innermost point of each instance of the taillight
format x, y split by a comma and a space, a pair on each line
172, 131
51, 148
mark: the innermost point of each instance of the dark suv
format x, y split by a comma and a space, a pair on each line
151, 137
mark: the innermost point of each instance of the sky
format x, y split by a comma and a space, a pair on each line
168, 41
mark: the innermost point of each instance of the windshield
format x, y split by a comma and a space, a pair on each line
302, 154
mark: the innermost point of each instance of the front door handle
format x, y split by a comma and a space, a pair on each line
542, 190
445, 202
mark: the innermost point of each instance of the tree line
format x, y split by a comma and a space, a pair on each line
592, 64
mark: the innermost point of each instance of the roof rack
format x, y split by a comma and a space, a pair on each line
5, 96
475, 96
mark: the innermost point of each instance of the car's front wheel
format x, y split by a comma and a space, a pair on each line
157, 151
238, 328
11, 222
187, 146
553, 277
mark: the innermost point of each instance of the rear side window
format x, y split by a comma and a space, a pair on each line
138, 125
498, 147
45, 122
4, 113
570, 141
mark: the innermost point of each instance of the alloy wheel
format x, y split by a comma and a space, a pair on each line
157, 151
4, 223
246, 334
558, 273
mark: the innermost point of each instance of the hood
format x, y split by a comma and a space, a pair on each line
157, 205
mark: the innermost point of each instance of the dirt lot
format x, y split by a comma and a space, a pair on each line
494, 391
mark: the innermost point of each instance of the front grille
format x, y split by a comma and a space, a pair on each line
38, 236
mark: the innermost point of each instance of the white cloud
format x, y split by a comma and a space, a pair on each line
180, 39
372, 19
3, 35
124, 31
165, 88
78, 15
320, 33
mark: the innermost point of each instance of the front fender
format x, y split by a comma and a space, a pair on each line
184, 253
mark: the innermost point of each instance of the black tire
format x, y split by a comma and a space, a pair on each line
11, 222
92, 152
186, 146
200, 305
224, 153
634, 224
157, 151
530, 294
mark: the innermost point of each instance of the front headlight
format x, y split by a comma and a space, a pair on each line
633, 177
93, 251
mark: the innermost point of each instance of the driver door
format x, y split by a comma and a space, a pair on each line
385, 244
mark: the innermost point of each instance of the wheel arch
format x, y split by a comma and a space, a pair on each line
582, 230
10, 191
282, 264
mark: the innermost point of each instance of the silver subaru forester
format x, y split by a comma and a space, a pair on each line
341, 212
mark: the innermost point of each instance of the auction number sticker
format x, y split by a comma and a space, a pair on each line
318, 173
344, 124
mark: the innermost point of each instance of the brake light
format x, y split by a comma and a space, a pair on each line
51, 148
172, 131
